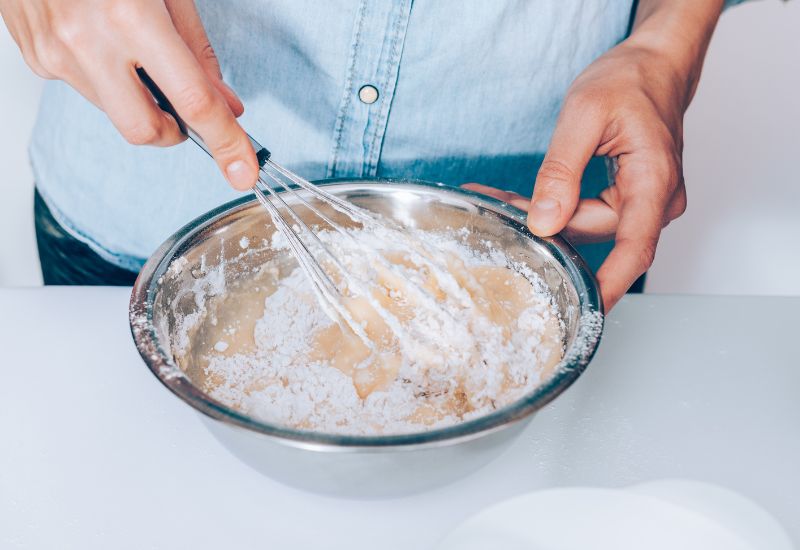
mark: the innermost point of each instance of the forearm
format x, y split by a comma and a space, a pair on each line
679, 31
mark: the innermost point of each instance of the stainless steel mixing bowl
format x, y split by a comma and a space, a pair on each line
367, 466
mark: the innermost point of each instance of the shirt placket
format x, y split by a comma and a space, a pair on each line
376, 49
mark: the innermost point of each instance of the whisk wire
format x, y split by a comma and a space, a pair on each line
345, 207
306, 229
356, 214
317, 275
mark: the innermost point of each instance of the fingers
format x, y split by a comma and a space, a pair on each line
594, 220
641, 221
96, 47
129, 106
190, 27
555, 196
636, 223
597, 220
51, 58
177, 72
648, 195
677, 205
514, 199
135, 114
83, 84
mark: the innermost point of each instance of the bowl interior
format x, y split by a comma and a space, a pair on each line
211, 267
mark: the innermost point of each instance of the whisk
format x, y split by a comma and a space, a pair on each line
328, 292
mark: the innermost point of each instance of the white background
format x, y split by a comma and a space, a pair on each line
741, 234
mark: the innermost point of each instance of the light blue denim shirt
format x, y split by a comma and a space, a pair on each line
468, 91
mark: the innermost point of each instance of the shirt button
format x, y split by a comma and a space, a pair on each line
368, 94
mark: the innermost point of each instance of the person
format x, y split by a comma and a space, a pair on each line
502, 94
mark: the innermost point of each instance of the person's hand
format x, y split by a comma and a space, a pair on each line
627, 105
96, 46
624, 106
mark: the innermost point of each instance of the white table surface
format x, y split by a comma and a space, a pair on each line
95, 453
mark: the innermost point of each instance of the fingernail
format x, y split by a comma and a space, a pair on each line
239, 174
546, 208
543, 212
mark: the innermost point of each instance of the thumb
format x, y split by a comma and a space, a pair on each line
190, 27
558, 183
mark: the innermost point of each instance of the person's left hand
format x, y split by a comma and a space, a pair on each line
629, 105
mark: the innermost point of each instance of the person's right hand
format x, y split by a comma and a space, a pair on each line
96, 47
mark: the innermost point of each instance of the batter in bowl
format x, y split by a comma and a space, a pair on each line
437, 333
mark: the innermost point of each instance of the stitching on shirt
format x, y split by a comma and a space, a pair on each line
386, 66
348, 84
395, 55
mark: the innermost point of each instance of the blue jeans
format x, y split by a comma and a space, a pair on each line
67, 261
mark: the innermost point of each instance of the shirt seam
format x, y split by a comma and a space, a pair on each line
395, 57
346, 99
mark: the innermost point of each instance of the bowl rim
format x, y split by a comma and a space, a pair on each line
166, 371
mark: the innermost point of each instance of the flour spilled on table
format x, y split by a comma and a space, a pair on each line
443, 338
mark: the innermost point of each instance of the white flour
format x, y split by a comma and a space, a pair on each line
454, 334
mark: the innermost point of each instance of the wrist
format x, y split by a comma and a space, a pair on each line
676, 34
